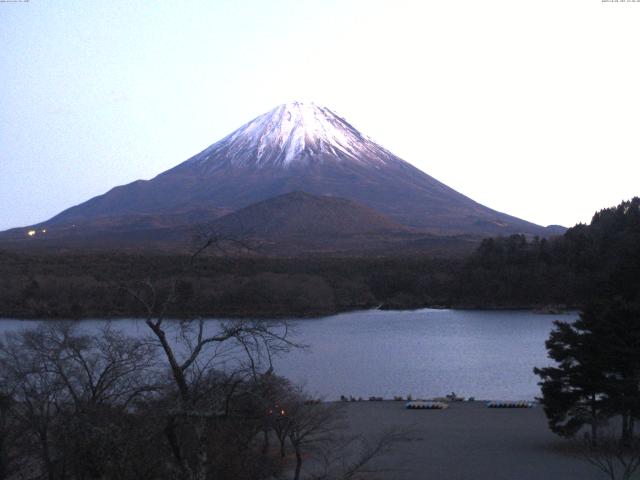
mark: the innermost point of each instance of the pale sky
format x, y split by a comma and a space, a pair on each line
528, 107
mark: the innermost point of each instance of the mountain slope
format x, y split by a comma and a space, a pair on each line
300, 214
293, 224
301, 147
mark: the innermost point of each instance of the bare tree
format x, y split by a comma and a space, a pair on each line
37, 394
191, 351
71, 393
616, 459
315, 430
104, 367
6, 402
10, 436
351, 457
192, 348
308, 422
271, 390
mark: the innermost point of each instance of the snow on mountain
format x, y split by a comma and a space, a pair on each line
292, 132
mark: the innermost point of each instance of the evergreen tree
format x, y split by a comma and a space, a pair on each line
616, 326
572, 391
597, 375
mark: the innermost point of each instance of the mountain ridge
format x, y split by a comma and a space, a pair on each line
298, 147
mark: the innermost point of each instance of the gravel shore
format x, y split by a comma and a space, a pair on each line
468, 441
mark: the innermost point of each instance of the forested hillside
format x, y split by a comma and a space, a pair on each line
587, 261
504, 272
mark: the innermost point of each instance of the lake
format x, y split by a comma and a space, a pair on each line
425, 353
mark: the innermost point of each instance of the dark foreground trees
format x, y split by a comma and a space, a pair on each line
81, 405
597, 376
613, 458
68, 396
572, 391
198, 400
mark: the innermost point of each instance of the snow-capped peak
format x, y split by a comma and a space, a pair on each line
292, 133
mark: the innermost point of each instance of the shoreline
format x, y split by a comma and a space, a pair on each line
536, 309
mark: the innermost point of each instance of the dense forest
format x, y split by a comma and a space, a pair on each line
596, 260
504, 272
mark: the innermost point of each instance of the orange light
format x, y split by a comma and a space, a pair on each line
31, 233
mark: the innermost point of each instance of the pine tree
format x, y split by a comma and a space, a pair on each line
572, 391
616, 326
597, 375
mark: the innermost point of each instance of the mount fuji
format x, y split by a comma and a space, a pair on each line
296, 147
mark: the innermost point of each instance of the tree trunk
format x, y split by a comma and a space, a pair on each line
298, 463
626, 441
46, 455
3, 460
172, 439
178, 374
201, 432
265, 446
594, 422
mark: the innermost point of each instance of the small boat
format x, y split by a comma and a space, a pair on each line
425, 405
510, 404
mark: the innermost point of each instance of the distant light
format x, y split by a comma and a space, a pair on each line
31, 233
44, 230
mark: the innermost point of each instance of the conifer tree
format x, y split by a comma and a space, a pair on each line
572, 391
597, 375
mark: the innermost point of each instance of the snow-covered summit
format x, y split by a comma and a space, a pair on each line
290, 134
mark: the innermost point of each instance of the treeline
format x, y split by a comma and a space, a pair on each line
589, 261
595, 380
81, 286
505, 272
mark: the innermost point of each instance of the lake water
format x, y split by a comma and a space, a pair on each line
425, 353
